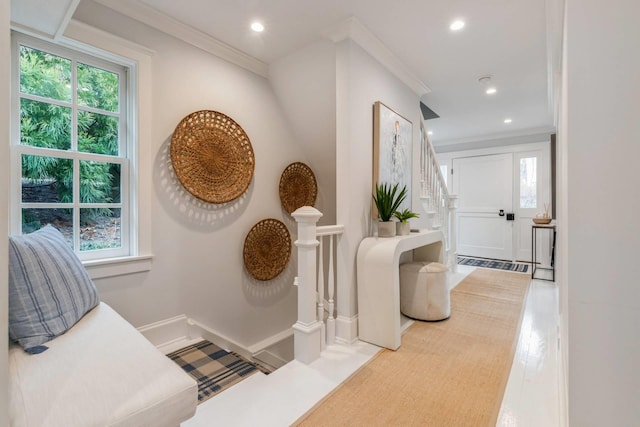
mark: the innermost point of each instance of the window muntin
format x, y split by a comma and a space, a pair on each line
73, 169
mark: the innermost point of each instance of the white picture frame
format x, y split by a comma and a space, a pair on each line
392, 150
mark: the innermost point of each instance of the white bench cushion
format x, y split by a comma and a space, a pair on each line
102, 372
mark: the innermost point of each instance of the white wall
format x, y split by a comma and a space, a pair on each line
602, 228
197, 268
361, 81
305, 84
562, 252
5, 52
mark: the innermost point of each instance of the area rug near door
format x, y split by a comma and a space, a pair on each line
449, 373
493, 263
213, 368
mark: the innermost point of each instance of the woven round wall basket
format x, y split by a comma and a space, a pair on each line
212, 156
267, 249
298, 187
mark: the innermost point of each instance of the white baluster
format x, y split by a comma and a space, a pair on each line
321, 292
331, 321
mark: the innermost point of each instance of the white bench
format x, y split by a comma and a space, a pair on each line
102, 372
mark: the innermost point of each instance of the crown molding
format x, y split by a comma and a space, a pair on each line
30, 31
79, 32
158, 20
354, 30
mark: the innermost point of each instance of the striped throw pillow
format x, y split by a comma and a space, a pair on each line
49, 289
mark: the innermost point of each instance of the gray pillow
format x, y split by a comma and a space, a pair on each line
49, 289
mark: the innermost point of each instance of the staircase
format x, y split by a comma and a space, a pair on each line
439, 205
317, 285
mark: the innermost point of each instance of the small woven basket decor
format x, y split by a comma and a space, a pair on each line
212, 156
267, 249
298, 187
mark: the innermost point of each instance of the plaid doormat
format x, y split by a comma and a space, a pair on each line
213, 368
493, 263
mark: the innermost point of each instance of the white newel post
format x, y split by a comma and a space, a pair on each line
307, 330
453, 233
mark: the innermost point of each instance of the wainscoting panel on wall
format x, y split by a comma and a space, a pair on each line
212, 156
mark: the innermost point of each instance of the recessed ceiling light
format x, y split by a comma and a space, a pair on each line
430, 133
257, 27
507, 121
485, 81
456, 25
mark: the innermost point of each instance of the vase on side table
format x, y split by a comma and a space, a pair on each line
402, 228
386, 228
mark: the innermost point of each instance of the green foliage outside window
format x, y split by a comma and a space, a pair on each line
52, 103
47, 125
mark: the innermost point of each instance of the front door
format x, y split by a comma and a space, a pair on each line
485, 187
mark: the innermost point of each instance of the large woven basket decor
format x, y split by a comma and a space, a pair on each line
267, 249
212, 156
298, 187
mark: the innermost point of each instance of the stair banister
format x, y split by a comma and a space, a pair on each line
307, 330
331, 234
439, 205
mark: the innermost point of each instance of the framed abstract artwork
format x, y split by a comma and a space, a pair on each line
392, 150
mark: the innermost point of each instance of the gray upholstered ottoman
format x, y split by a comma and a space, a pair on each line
424, 291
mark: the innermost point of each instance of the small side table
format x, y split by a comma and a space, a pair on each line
534, 246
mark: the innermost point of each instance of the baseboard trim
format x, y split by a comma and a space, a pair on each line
563, 387
182, 328
166, 332
272, 340
347, 329
219, 339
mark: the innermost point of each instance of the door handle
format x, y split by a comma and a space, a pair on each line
501, 213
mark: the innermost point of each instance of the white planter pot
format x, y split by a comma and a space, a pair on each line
386, 228
402, 229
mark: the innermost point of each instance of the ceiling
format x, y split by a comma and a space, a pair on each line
507, 39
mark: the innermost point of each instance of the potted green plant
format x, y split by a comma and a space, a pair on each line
403, 216
387, 199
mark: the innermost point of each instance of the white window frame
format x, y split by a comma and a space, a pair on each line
137, 59
73, 154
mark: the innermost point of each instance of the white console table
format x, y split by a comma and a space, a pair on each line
378, 281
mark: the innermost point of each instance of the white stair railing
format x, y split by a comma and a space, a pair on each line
331, 234
437, 203
316, 244
311, 334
